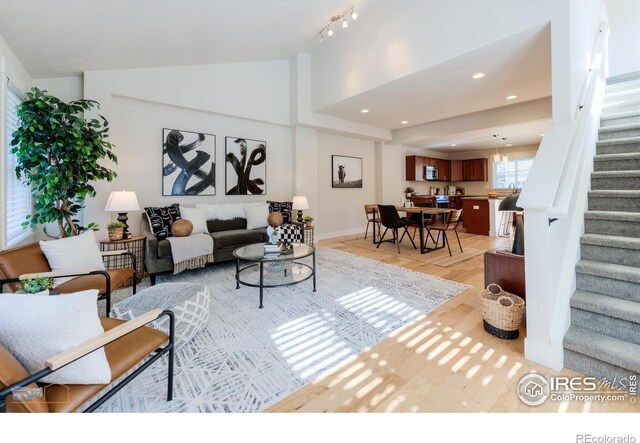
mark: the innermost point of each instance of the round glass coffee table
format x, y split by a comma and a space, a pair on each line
271, 270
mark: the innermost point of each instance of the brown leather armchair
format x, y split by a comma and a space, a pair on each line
28, 261
126, 344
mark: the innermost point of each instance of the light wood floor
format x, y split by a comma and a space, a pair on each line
444, 362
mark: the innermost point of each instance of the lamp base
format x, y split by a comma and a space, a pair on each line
299, 216
122, 218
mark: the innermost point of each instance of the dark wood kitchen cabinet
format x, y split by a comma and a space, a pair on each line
415, 167
475, 216
455, 202
475, 170
444, 170
456, 170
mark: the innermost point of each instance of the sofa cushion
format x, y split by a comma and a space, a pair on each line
161, 219
237, 238
284, 208
227, 225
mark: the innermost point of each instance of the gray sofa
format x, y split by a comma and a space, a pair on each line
227, 235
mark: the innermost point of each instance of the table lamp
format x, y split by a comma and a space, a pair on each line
510, 204
121, 202
300, 203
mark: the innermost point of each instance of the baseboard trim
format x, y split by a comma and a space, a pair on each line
550, 355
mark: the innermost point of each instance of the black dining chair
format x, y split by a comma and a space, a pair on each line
428, 219
390, 219
453, 219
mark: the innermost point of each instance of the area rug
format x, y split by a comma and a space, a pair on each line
248, 358
439, 257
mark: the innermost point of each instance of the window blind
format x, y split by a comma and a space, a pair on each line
18, 195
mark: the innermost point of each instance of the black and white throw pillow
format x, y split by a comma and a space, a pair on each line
161, 219
283, 208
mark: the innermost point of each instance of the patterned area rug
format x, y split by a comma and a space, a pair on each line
248, 358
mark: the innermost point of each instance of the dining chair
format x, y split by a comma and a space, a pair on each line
390, 219
452, 221
369, 211
428, 219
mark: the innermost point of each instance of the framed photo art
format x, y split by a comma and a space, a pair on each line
188, 163
245, 166
346, 172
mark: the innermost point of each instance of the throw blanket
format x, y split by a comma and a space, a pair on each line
191, 252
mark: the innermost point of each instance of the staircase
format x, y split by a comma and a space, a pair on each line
604, 337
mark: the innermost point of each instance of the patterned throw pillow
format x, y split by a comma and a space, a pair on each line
282, 207
160, 219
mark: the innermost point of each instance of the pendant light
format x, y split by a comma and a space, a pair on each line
505, 157
496, 156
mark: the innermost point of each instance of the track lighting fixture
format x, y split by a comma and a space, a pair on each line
345, 23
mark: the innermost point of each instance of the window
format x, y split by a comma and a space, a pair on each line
514, 171
18, 195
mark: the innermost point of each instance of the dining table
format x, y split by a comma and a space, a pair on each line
416, 210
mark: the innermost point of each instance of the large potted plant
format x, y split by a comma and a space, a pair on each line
57, 153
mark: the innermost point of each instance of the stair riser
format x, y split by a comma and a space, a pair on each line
617, 165
619, 256
631, 83
615, 184
617, 108
605, 325
625, 148
621, 204
607, 286
608, 135
612, 227
605, 123
595, 368
621, 96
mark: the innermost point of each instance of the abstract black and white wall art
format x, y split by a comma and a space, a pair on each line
188, 163
246, 166
346, 172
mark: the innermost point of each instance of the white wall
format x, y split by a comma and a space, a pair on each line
341, 211
65, 88
624, 43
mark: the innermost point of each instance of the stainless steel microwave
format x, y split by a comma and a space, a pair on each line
431, 173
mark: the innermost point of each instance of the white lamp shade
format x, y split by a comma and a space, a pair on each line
122, 201
300, 202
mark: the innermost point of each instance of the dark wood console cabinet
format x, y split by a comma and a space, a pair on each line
506, 270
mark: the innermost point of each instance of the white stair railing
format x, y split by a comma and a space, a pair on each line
554, 201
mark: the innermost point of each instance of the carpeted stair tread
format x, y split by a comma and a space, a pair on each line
604, 305
608, 270
621, 114
617, 157
618, 141
619, 128
611, 241
616, 174
633, 217
608, 349
623, 78
622, 104
608, 193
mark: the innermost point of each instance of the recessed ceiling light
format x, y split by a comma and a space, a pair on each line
453, 144
511, 97
404, 122
364, 111
478, 75
508, 144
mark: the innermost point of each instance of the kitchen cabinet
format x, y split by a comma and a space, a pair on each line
423, 199
456, 170
414, 168
455, 202
444, 170
475, 170
475, 216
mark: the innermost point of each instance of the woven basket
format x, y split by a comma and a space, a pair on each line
501, 312
115, 233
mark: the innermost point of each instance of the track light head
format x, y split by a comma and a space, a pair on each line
329, 32
345, 23
354, 15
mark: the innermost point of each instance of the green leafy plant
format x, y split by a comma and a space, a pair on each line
307, 218
408, 190
57, 153
115, 225
35, 284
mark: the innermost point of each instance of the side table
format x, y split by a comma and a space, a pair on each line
308, 235
135, 245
